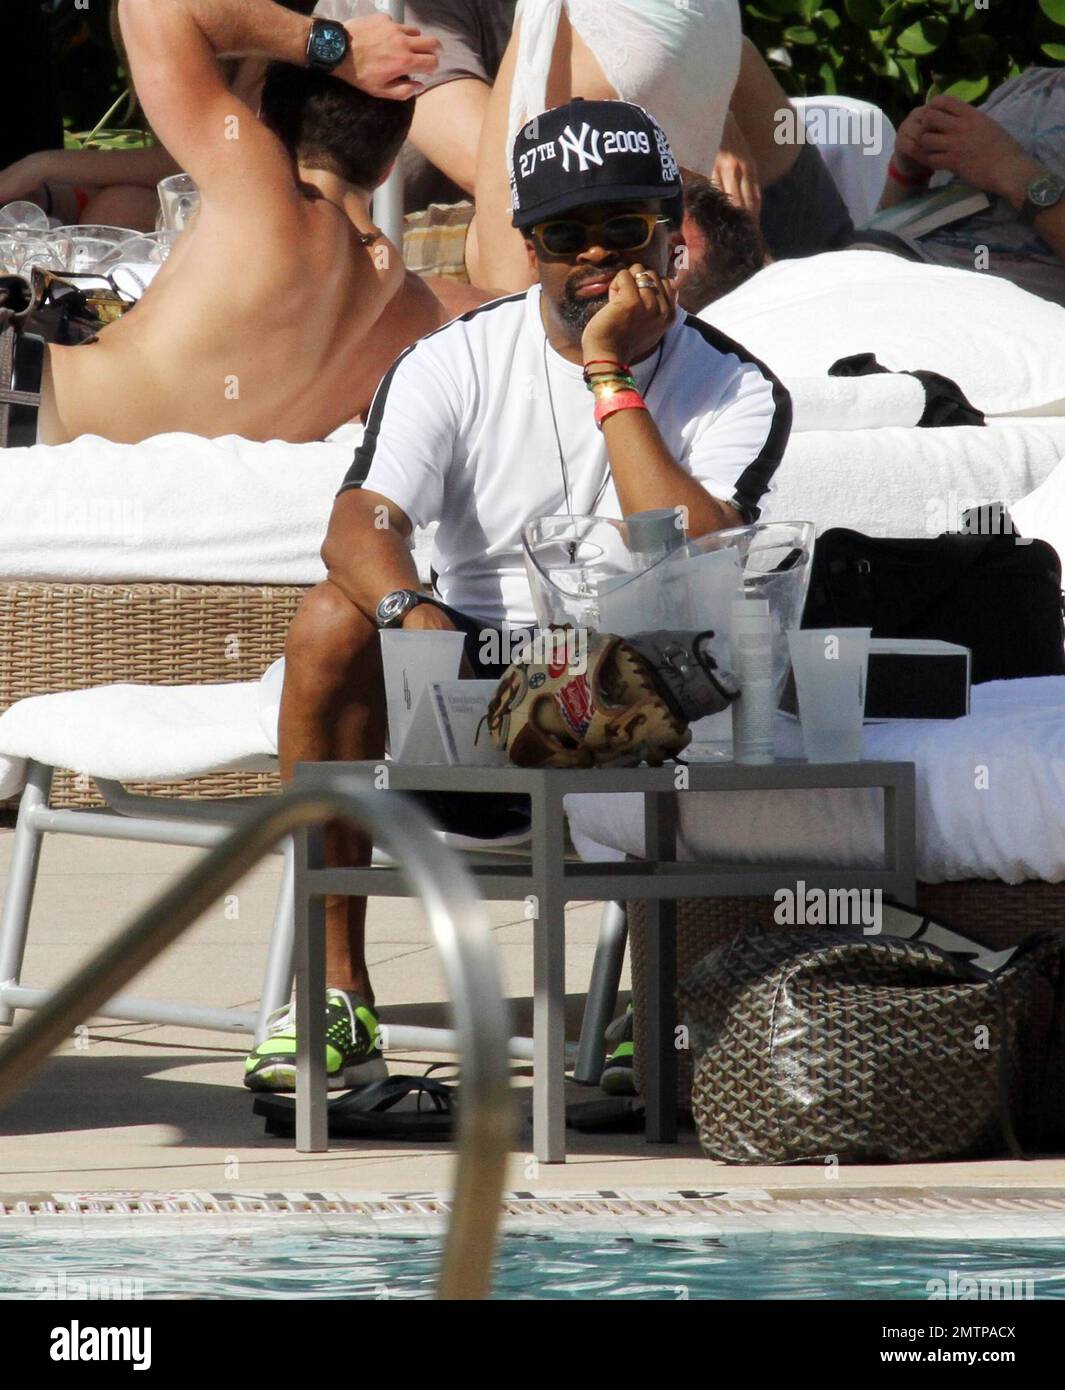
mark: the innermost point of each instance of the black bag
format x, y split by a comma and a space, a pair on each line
998, 595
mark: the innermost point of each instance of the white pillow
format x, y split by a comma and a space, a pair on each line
1002, 345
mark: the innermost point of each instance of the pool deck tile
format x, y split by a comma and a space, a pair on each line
136, 1108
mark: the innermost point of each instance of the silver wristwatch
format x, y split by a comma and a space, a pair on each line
1042, 193
395, 606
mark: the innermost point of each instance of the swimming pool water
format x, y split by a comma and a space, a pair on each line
336, 1265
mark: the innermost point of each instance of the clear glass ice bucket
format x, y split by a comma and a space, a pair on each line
582, 574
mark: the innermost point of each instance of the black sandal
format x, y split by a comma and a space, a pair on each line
367, 1112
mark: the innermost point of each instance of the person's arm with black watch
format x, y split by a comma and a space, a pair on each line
373, 53
367, 557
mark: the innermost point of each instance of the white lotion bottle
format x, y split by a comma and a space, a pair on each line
754, 713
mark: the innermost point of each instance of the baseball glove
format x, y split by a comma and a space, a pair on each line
629, 703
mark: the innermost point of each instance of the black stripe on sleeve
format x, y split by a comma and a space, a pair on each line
754, 480
360, 466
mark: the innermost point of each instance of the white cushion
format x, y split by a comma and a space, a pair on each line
143, 733
990, 799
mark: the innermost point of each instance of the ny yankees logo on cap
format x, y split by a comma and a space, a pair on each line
589, 152
571, 144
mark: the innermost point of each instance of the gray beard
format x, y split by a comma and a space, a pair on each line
576, 314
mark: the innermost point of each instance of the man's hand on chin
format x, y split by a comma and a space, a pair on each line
635, 317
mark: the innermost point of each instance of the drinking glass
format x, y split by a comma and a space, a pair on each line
178, 198
20, 251
83, 246
23, 217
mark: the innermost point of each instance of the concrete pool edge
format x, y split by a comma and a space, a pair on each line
633, 1213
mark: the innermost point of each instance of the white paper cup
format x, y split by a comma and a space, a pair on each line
411, 660
830, 667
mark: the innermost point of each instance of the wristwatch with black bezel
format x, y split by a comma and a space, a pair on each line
327, 44
395, 606
1044, 192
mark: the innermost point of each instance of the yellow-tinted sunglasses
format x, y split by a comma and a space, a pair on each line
627, 231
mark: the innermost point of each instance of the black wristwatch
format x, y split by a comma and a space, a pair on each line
395, 606
327, 44
1042, 193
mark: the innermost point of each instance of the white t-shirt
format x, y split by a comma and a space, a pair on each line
462, 430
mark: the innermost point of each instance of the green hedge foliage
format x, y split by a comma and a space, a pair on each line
898, 53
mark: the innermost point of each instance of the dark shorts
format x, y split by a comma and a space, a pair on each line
473, 37
476, 629
803, 213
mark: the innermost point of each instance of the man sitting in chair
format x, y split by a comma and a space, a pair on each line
282, 306
587, 394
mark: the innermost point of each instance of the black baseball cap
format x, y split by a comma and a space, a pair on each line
591, 152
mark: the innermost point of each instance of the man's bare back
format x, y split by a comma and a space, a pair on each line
267, 331
281, 308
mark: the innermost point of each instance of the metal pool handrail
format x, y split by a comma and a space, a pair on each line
459, 924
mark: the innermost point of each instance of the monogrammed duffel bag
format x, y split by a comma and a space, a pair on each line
832, 1045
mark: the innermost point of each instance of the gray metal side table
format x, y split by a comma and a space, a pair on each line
548, 880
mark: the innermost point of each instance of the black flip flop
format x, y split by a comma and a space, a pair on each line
367, 1112
616, 1115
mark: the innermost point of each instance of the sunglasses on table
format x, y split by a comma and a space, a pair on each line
627, 231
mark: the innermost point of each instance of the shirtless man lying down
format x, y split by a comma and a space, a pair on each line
282, 306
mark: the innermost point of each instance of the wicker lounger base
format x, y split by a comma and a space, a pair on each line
71, 636
998, 914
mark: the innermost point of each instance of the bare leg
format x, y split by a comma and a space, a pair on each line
447, 127
333, 708
122, 205
756, 99
495, 251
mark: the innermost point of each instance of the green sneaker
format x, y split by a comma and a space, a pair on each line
619, 1074
352, 1057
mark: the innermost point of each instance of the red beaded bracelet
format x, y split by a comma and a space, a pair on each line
894, 172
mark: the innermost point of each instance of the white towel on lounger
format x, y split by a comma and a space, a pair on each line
855, 403
176, 507
136, 733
